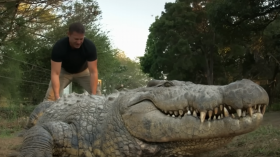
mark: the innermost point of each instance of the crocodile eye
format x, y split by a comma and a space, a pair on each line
168, 84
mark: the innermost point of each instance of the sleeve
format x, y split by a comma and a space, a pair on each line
92, 53
56, 52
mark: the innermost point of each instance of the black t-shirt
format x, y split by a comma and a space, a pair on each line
74, 60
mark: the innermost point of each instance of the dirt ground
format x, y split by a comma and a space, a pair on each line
9, 145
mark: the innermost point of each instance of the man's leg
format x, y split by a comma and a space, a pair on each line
83, 79
64, 79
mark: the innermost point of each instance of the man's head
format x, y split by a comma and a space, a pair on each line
76, 35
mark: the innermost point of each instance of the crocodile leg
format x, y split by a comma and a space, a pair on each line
42, 139
37, 142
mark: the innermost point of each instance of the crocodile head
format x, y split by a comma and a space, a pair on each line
182, 118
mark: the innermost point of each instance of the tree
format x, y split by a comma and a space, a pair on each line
10, 73
232, 17
22, 24
181, 44
131, 75
246, 24
126, 74
254, 25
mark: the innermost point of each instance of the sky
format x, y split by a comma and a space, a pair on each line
128, 23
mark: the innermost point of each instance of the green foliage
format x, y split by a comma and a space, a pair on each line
129, 74
5, 133
254, 28
181, 44
14, 111
239, 19
125, 73
274, 106
215, 42
10, 73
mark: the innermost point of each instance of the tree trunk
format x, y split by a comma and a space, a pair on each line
209, 67
272, 84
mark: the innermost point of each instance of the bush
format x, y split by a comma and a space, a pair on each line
274, 106
14, 112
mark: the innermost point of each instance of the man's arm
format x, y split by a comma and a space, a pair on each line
92, 66
55, 71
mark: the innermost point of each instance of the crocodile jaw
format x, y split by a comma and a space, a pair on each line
147, 123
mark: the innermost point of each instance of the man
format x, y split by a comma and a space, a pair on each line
74, 58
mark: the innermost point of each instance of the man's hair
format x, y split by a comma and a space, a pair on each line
77, 27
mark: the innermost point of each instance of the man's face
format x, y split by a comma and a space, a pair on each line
76, 39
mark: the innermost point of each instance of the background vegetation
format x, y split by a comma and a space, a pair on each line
206, 42
28, 31
216, 42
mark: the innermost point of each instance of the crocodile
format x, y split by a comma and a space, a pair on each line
165, 118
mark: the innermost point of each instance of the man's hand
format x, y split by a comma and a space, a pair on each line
57, 97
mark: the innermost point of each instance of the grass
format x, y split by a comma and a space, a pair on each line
263, 142
9, 127
13, 119
13, 112
6, 133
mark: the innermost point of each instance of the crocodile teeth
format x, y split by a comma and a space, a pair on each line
239, 112
244, 114
219, 112
226, 112
216, 110
221, 107
202, 116
210, 114
176, 113
181, 112
250, 111
263, 110
194, 114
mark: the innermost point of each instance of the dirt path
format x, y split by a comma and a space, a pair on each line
12, 144
9, 146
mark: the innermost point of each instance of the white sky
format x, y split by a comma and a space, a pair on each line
128, 22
